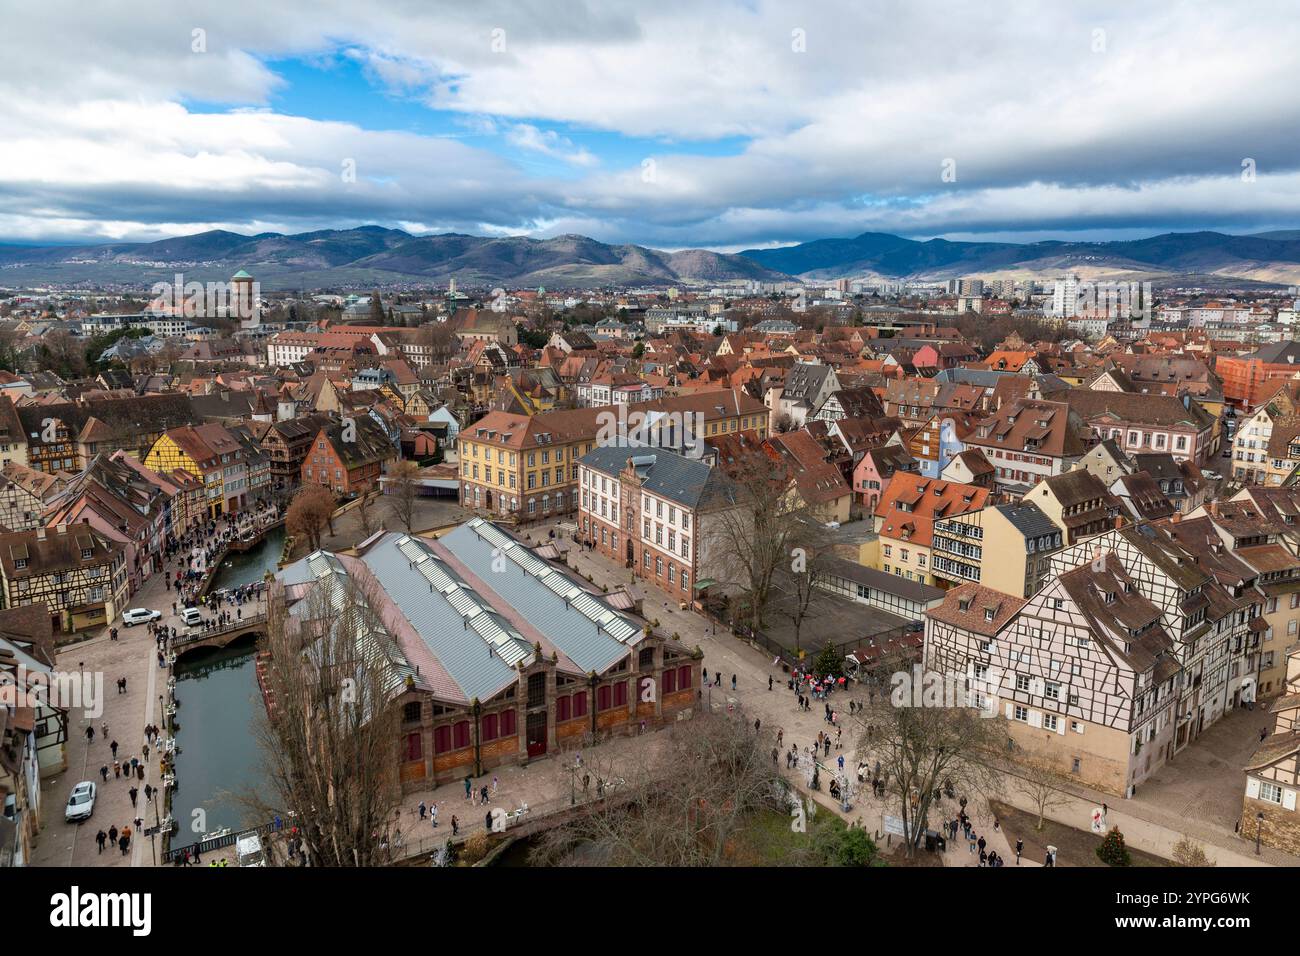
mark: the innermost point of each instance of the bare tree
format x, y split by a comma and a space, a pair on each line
1187, 852
761, 532
1042, 787
311, 510
329, 732
403, 493
686, 803
365, 515
810, 548
924, 750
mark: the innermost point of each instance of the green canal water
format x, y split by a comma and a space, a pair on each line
217, 690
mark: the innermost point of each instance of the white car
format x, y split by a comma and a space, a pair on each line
82, 802
139, 615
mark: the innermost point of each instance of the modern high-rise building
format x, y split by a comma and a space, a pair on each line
1065, 297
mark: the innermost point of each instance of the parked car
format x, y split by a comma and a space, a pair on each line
81, 804
192, 616
139, 615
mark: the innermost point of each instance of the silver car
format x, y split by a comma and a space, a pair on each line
82, 802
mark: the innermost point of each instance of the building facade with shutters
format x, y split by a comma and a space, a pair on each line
76, 572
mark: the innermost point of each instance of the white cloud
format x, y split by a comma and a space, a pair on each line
1046, 132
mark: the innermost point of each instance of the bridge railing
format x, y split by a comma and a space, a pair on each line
195, 637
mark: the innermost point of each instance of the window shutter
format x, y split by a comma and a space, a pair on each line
1288, 799
1252, 788
1035, 718
1060, 725
1011, 713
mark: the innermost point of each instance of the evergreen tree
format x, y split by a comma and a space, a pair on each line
376, 309
1112, 851
829, 662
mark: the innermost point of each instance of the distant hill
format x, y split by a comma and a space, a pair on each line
1272, 257
373, 254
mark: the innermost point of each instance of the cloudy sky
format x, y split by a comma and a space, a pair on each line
676, 123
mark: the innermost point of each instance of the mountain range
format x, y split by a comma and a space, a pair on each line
1268, 257
369, 256
373, 255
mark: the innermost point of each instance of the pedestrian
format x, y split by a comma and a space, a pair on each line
112, 835
433, 814
113, 747
103, 772
144, 749
769, 681
981, 844
101, 838
139, 771
496, 782
455, 825
90, 734
123, 843
117, 770
134, 792
484, 794
422, 809
469, 787
487, 821
1049, 860
780, 734
104, 729
733, 681
757, 723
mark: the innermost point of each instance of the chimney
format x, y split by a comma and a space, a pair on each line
1119, 521
62, 529
1176, 517
40, 534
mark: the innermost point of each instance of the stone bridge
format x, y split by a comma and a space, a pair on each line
219, 637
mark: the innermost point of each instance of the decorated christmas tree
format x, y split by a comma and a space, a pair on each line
1112, 851
830, 663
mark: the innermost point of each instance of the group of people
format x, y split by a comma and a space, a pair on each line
976, 843
430, 812
717, 679
199, 547
120, 839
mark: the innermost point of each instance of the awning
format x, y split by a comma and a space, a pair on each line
705, 584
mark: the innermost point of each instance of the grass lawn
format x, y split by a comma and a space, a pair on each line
1073, 847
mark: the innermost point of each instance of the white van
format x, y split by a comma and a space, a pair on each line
248, 850
192, 616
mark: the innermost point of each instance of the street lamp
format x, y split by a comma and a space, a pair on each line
1259, 827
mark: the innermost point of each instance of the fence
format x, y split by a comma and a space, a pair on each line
788, 657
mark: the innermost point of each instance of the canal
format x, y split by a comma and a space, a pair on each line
219, 757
